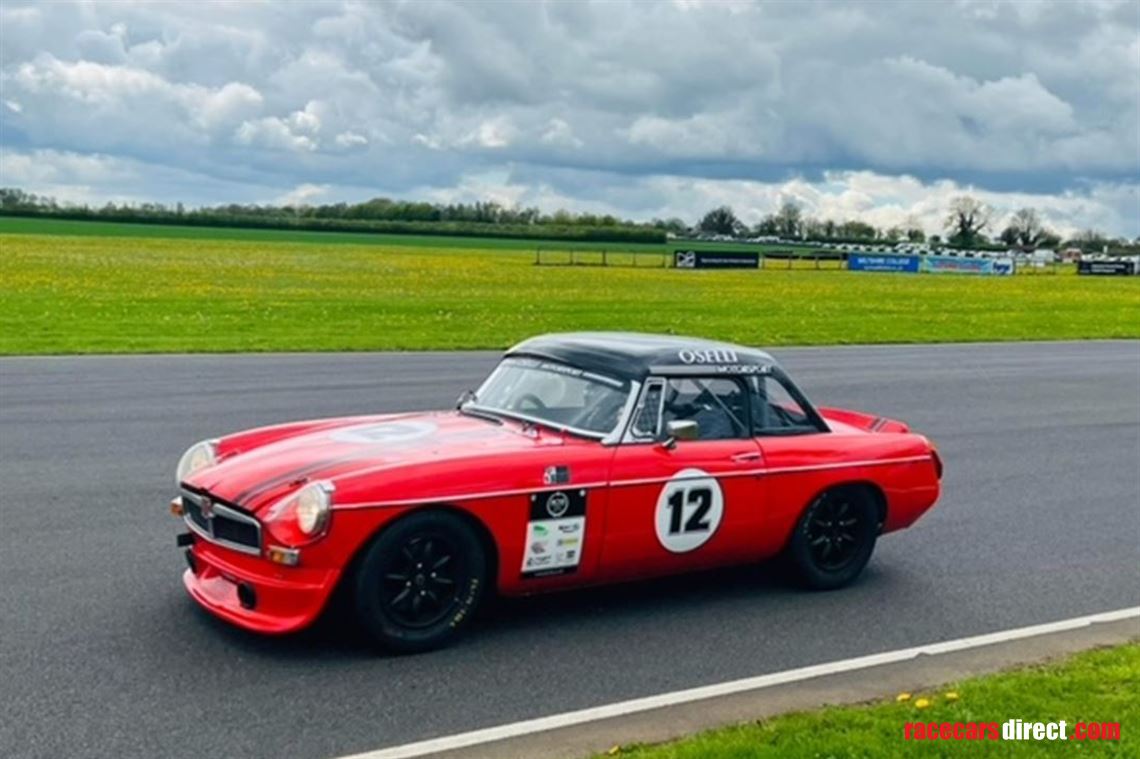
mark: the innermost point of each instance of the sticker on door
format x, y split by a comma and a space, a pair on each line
689, 510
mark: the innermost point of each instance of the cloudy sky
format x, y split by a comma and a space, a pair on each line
878, 110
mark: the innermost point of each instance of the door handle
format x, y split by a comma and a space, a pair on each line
741, 458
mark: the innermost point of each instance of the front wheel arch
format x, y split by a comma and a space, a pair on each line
375, 557
490, 547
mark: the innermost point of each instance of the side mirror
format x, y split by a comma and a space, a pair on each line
681, 429
464, 398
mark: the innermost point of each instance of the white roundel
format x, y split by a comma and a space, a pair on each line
689, 510
385, 432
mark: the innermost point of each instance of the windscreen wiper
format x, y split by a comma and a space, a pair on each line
481, 414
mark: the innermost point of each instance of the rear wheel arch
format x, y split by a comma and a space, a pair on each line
870, 489
835, 534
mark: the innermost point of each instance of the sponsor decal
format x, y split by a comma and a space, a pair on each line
554, 533
557, 504
708, 356
556, 475
689, 510
743, 369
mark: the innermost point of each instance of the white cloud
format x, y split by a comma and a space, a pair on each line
302, 195
494, 133
632, 106
560, 134
275, 134
350, 140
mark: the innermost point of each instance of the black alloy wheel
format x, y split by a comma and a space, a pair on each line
831, 532
420, 581
835, 537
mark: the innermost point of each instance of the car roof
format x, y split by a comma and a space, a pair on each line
634, 356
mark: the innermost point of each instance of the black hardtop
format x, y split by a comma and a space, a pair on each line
634, 356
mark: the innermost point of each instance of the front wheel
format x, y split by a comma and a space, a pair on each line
420, 581
834, 538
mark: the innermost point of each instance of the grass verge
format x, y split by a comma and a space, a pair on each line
93, 294
47, 226
1094, 686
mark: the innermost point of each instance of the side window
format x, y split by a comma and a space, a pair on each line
719, 406
647, 417
775, 411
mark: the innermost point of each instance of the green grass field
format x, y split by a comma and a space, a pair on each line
1096, 686
104, 294
45, 226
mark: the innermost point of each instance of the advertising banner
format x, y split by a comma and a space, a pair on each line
716, 259
881, 262
955, 265
1106, 267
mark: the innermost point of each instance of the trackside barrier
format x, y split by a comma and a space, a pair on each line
621, 258
908, 262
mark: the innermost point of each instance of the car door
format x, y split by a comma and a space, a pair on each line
683, 504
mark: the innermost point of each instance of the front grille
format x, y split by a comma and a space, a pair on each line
237, 532
225, 526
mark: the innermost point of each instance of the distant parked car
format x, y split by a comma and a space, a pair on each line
582, 459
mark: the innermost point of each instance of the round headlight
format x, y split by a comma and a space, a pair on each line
312, 508
197, 457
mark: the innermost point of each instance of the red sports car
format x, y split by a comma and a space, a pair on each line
582, 459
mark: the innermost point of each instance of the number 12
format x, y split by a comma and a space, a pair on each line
698, 519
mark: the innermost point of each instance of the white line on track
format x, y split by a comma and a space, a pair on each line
634, 706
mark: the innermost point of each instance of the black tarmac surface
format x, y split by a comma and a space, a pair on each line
102, 654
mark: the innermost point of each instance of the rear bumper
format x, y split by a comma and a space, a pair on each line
255, 594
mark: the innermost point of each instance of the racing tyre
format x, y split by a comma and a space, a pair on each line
420, 581
834, 538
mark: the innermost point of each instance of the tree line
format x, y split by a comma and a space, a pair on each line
380, 215
968, 223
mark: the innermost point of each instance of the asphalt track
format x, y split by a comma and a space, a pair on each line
101, 653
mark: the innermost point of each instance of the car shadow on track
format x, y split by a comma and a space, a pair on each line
336, 636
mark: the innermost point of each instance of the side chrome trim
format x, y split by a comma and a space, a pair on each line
761, 472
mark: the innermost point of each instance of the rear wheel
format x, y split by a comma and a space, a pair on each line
834, 538
420, 581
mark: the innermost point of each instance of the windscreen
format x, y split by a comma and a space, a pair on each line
560, 395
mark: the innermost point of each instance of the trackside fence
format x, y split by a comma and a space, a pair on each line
637, 259
810, 259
